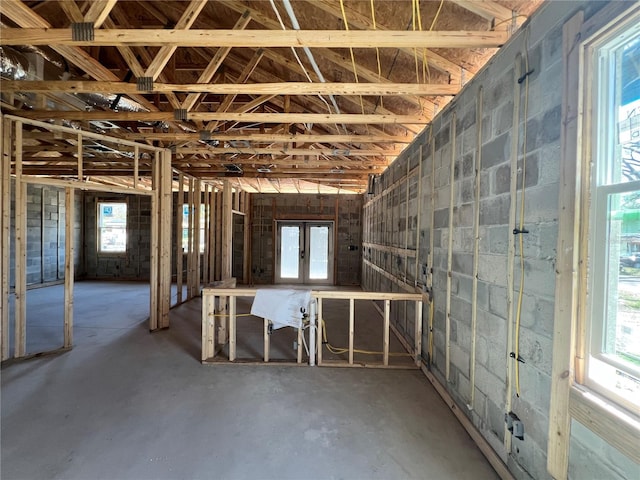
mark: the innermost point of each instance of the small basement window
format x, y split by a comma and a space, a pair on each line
112, 227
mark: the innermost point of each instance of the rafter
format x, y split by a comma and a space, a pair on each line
347, 118
258, 38
271, 137
287, 151
99, 11
486, 9
214, 64
360, 21
166, 51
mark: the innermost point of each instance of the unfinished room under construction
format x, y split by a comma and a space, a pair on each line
320, 239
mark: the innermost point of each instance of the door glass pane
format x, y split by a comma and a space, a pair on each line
319, 253
289, 252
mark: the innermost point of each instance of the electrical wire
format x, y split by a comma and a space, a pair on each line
516, 348
353, 58
343, 350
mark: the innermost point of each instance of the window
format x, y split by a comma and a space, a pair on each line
613, 360
185, 228
112, 227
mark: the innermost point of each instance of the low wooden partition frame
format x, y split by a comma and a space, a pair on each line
219, 315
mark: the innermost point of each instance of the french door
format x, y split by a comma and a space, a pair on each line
304, 252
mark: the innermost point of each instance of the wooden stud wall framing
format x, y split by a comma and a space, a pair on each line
191, 240
227, 229
69, 263
5, 221
161, 214
450, 248
476, 246
227, 296
196, 236
178, 226
20, 323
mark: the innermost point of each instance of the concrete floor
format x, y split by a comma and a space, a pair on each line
126, 404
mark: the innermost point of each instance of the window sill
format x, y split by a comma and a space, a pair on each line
614, 424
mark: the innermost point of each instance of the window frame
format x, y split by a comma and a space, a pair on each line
600, 187
185, 229
99, 227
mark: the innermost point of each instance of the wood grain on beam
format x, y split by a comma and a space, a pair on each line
272, 137
99, 11
258, 38
283, 88
346, 118
486, 9
214, 64
166, 51
286, 151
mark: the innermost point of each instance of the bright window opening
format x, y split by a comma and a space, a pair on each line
185, 228
614, 349
112, 227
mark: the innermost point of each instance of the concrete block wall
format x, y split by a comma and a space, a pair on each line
135, 264
418, 220
46, 240
344, 210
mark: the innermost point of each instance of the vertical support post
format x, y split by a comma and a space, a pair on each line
312, 332
196, 239
511, 245
476, 248
227, 227
385, 346
218, 259
80, 158
450, 248
207, 244
351, 328
69, 264
320, 333
418, 334
267, 340
5, 221
136, 165
165, 239
212, 236
246, 251
190, 267
153, 268
179, 229
569, 221
300, 333
232, 328
20, 250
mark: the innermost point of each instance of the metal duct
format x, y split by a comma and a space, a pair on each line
13, 65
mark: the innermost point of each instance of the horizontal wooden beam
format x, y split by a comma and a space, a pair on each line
347, 118
259, 38
253, 137
283, 88
288, 151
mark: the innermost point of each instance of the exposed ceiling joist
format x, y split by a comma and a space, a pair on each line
282, 88
258, 38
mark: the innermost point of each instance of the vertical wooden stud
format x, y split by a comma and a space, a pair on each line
227, 229
179, 228
5, 221
196, 239
266, 340
246, 247
80, 158
476, 248
136, 165
565, 290
351, 328
299, 344
155, 220
211, 232
320, 331
232, 328
418, 334
165, 238
69, 270
218, 259
386, 328
450, 248
21, 249
190, 266
207, 244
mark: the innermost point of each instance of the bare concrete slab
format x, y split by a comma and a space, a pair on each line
127, 404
